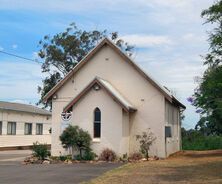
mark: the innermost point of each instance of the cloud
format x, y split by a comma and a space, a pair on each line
1, 48
14, 46
168, 35
20, 101
19, 80
146, 40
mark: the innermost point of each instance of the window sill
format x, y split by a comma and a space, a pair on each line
96, 140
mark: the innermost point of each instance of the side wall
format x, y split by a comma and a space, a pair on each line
21, 118
172, 119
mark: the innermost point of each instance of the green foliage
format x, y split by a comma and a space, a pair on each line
75, 138
208, 96
107, 155
209, 99
87, 155
65, 157
195, 140
40, 151
64, 50
146, 139
213, 16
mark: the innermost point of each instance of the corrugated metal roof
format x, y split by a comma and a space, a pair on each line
113, 92
23, 108
116, 93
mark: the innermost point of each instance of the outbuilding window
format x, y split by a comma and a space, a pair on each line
39, 129
97, 123
28, 128
11, 128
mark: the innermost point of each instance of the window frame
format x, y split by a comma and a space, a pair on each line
11, 132
27, 133
41, 132
96, 132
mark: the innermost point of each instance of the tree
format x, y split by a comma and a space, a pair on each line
213, 16
208, 96
75, 138
209, 99
64, 50
146, 139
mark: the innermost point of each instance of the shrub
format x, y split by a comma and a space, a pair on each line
65, 157
107, 155
146, 139
87, 155
136, 156
40, 151
124, 158
194, 140
75, 138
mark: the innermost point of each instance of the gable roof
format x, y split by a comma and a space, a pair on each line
110, 90
23, 108
106, 41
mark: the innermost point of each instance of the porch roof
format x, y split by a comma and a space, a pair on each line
111, 91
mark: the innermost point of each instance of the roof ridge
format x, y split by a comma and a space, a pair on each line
106, 40
22, 107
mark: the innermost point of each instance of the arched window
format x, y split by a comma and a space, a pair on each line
97, 123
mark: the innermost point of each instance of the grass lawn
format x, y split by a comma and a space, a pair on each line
187, 167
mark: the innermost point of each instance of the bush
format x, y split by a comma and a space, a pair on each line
87, 155
145, 139
136, 156
75, 138
40, 151
65, 157
124, 158
201, 142
107, 155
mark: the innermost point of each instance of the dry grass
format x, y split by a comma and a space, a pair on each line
185, 167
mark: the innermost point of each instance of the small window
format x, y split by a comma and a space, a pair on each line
28, 128
39, 129
11, 128
168, 132
97, 123
0, 128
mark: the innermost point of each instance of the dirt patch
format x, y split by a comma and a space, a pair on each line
184, 167
197, 154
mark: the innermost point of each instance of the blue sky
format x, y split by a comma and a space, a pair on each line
169, 37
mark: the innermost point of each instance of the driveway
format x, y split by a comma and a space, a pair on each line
14, 155
11, 171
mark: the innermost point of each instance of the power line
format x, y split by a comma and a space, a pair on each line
21, 57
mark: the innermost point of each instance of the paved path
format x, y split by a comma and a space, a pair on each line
51, 174
12, 171
14, 155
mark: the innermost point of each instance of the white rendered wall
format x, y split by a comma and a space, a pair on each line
21, 118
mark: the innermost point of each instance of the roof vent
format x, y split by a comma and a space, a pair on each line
96, 87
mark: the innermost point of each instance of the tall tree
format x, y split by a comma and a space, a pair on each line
208, 96
64, 50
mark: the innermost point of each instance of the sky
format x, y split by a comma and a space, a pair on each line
169, 38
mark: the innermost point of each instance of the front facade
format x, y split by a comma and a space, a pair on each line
22, 125
114, 100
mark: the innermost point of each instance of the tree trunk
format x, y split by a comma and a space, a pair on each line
72, 152
80, 153
147, 155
